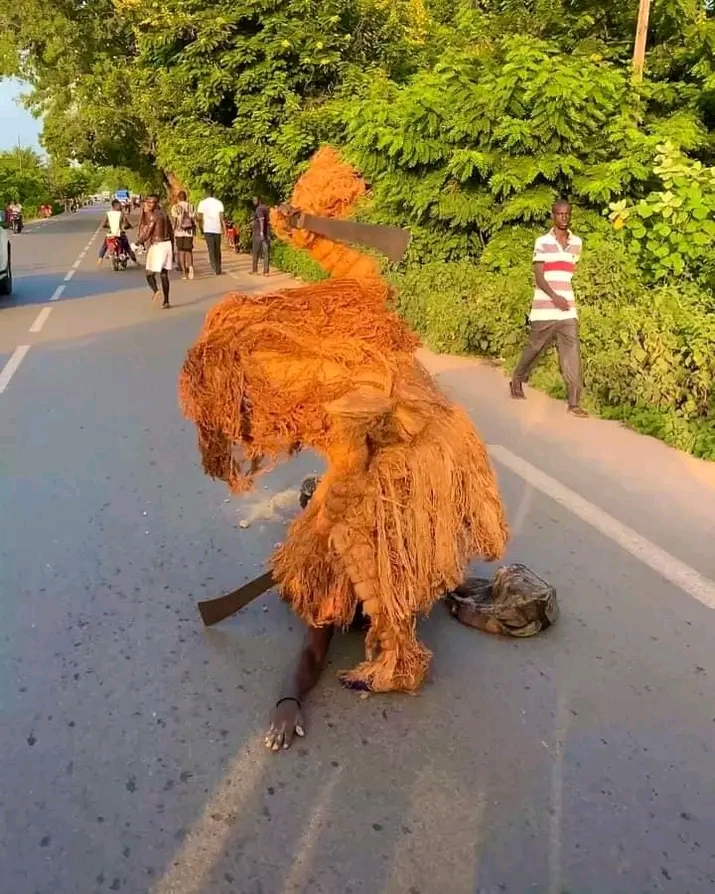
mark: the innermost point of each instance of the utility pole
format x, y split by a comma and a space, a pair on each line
641, 35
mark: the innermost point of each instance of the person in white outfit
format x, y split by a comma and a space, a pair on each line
117, 222
210, 212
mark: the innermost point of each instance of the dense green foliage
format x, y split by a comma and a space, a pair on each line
27, 178
671, 230
297, 263
22, 178
480, 143
467, 119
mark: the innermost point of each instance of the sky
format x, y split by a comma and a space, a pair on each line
14, 120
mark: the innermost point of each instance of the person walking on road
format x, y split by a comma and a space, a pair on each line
183, 218
210, 212
553, 311
261, 235
157, 234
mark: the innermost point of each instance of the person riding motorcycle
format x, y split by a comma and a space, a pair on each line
117, 222
14, 216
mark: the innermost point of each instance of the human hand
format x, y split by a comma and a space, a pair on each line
560, 302
287, 723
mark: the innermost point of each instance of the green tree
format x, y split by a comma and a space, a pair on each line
72, 181
23, 178
488, 139
222, 94
235, 90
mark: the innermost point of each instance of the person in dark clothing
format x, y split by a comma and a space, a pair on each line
158, 236
261, 235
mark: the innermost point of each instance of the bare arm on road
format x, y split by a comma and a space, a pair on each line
287, 719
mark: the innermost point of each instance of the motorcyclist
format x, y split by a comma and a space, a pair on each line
14, 215
117, 222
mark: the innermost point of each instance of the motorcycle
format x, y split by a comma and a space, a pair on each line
117, 252
16, 222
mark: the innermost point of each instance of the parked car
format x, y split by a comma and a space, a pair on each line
5, 258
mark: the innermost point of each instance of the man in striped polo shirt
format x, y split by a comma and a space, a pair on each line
553, 310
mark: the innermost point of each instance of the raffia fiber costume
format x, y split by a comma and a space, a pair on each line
409, 496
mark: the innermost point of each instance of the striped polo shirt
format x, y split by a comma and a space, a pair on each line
559, 265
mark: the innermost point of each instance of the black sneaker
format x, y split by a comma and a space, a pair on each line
517, 390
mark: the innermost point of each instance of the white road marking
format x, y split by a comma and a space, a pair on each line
71, 272
41, 319
683, 576
10, 368
522, 511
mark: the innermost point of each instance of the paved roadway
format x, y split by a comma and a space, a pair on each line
132, 760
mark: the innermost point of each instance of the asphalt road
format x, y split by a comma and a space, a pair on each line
579, 761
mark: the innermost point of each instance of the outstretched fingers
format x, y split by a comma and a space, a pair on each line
281, 735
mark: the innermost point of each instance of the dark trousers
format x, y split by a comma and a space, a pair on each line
261, 246
213, 243
541, 336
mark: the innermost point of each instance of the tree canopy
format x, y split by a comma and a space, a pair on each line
467, 118
236, 95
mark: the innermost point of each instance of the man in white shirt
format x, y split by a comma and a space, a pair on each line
210, 214
117, 222
553, 310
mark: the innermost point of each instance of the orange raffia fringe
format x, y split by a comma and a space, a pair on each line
409, 496
328, 188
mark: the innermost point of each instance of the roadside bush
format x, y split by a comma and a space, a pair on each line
671, 231
647, 352
647, 349
297, 263
459, 308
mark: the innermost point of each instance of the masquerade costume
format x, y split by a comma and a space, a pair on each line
409, 497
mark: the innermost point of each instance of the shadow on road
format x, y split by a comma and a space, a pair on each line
34, 288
